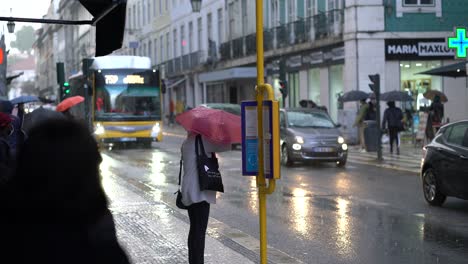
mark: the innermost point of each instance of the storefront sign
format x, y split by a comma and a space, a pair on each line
406, 49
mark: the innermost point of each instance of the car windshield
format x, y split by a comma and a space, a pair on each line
309, 119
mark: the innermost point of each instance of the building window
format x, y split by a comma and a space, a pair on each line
160, 7
314, 85
232, 21
174, 36
168, 46
418, 6
245, 20
155, 51
183, 42
417, 84
134, 17
311, 8
220, 25
139, 16
144, 53
335, 85
150, 49
143, 13
154, 8
148, 6
161, 47
199, 28
418, 2
190, 40
210, 26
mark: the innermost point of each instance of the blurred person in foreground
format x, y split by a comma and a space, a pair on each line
54, 209
5, 149
17, 136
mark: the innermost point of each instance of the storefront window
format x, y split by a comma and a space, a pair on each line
314, 85
417, 84
293, 82
335, 89
215, 93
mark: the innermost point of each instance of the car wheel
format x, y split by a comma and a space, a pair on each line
285, 157
431, 188
341, 163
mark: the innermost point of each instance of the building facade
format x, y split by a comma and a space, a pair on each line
322, 48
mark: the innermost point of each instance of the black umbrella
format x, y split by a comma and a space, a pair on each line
111, 23
452, 70
396, 96
354, 95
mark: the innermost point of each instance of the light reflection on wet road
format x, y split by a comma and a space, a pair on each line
318, 214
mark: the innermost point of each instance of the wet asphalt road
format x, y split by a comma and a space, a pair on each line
318, 213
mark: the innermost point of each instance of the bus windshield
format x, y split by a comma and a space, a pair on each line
126, 96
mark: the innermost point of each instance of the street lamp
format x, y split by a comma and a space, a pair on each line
196, 5
11, 27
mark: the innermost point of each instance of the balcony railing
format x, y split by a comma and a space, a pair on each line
321, 26
185, 63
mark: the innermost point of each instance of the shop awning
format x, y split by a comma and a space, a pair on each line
229, 74
173, 83
452, 70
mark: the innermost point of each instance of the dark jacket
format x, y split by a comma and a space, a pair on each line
393, 116
437, 109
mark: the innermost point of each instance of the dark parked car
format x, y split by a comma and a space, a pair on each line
310, 135
444, 168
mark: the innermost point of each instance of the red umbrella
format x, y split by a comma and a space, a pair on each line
217, 125
69, 102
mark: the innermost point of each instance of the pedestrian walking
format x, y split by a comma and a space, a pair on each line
359, 122
393, 117
54, 209
436, 110
198, 202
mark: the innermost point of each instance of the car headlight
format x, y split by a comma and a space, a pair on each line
299, 139
99, 129
344, 147
296, 146
340, 140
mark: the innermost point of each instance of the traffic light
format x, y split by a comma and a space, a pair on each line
66, 88
375, 85
284, 88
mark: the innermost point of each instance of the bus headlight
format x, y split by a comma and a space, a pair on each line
99, 129
156, 129
340, 140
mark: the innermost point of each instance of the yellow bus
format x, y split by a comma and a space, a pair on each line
122, 99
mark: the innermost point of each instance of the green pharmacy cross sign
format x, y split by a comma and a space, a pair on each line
459, 42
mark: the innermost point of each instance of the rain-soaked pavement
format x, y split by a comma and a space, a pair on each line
318, 213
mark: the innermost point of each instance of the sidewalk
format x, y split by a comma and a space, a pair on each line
409, 159
154, 231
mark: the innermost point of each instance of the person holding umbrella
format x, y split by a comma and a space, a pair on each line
359, 122
436, 113
393, 116
218, 130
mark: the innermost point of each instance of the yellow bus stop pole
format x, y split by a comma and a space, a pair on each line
261, 88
